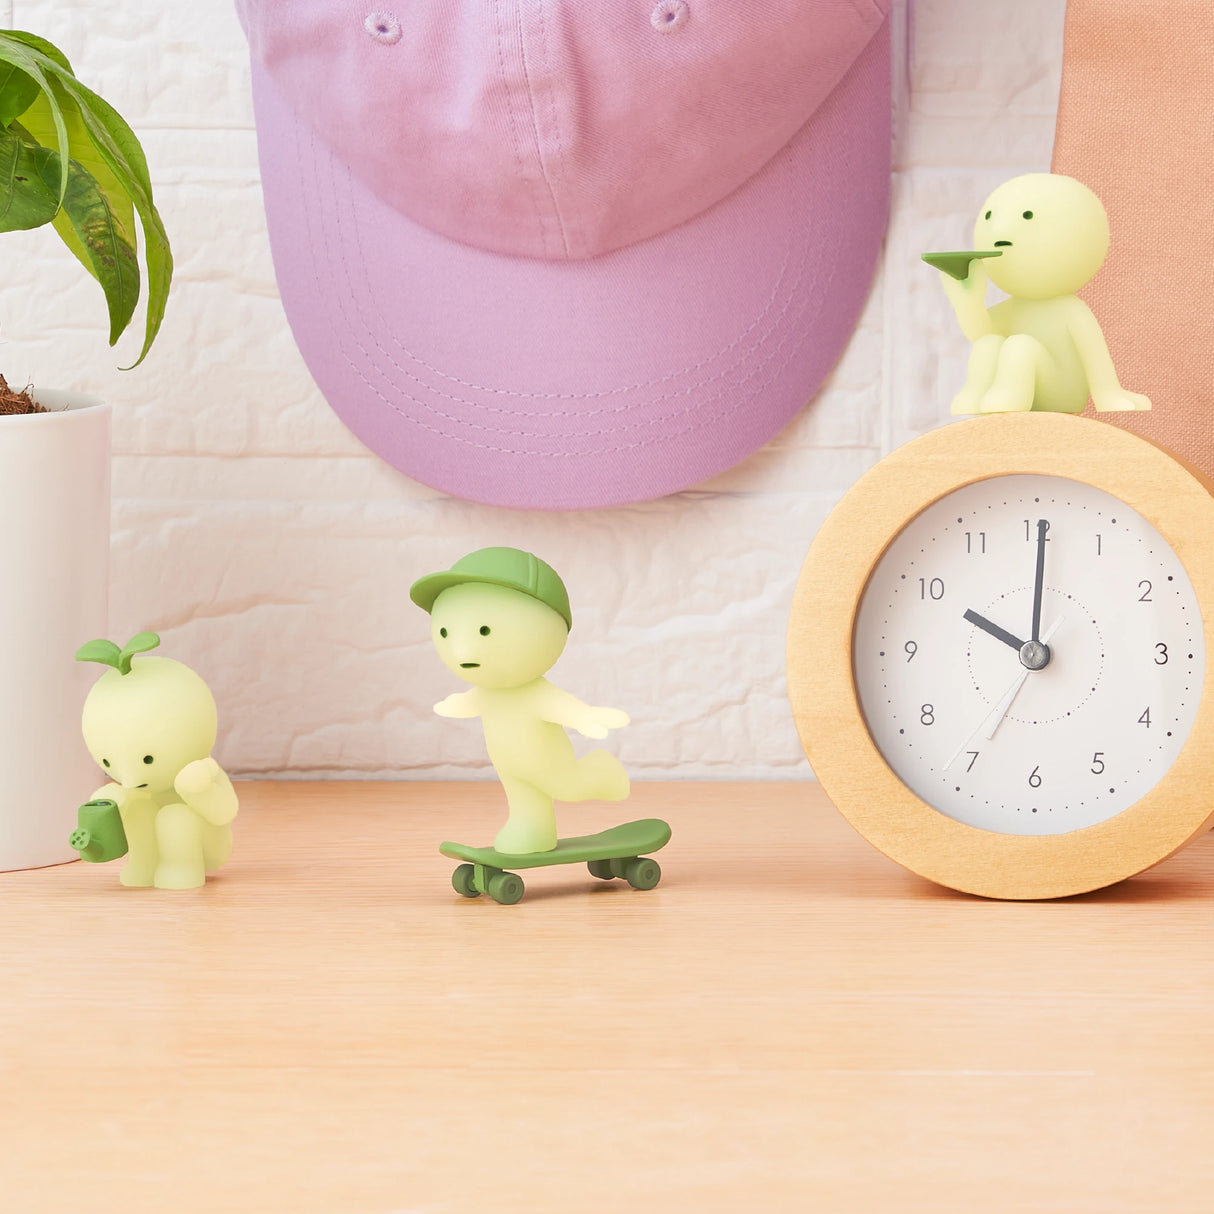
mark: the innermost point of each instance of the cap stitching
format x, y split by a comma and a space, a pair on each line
541, 219
772, 363
699, 385
665, 438
716, 357
698, 407
535, 126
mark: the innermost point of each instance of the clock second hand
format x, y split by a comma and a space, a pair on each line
992, 720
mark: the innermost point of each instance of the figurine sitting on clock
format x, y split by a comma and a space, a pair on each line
1040, 238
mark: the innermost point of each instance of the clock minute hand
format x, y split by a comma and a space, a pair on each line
1043, 526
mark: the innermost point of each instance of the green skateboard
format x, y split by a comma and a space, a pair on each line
957, 265
611, 853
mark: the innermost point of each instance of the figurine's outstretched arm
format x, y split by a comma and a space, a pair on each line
204, 786
460, 705
561, 708
1107, 392
968, 297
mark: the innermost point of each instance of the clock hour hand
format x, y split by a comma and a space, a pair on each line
1000, 634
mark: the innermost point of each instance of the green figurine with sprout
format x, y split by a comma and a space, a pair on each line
150, 723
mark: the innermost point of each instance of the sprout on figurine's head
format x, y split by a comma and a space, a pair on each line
108, 654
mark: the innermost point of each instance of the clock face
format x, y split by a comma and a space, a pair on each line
999, 733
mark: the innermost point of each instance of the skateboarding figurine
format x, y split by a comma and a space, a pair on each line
150, 722
499, 619
1039, 238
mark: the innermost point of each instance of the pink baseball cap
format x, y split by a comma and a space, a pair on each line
561, 255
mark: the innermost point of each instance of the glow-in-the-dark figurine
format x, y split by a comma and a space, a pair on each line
1039, 238
499, 619
150, 722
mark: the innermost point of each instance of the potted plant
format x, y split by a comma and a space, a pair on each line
66, 159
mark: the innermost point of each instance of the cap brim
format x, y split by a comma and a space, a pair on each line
581, 384
425, 591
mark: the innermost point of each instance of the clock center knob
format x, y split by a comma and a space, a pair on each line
1034, 655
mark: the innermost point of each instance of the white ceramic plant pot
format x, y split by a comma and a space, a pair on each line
54, 571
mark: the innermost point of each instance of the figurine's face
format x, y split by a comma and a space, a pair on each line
492, 636
1052, 233
142, 728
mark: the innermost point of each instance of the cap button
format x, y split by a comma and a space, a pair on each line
383, 27
669, 15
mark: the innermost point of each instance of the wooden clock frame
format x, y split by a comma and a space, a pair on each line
1176, 498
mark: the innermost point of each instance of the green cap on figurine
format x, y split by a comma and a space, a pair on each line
509, 567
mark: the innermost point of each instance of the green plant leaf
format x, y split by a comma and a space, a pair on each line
105, 652
39, 122
17, 93
93, 232
26, 200
49, 49
25, 52
109, 256
18, 90
140, 643
118, 147
115, 147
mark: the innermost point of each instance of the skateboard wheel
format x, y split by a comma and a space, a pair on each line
643, 874
600, 869
462, 882
506, 888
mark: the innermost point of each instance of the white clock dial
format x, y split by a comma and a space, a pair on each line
971, 726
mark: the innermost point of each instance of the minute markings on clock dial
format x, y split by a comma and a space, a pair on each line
1088, 732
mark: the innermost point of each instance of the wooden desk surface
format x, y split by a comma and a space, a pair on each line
788, 1024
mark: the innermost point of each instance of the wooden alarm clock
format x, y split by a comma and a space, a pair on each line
997, 655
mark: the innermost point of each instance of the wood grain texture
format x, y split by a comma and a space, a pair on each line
794, 1023
1172, 495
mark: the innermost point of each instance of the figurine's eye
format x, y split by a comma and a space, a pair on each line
148, 759
442, 632
987, 215
1028, 215
105, 762
484, 630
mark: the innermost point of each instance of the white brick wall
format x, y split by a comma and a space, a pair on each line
275, 554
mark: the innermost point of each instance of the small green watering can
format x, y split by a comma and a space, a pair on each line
99, 835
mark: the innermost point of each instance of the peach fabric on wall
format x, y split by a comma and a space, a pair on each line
1134, 124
